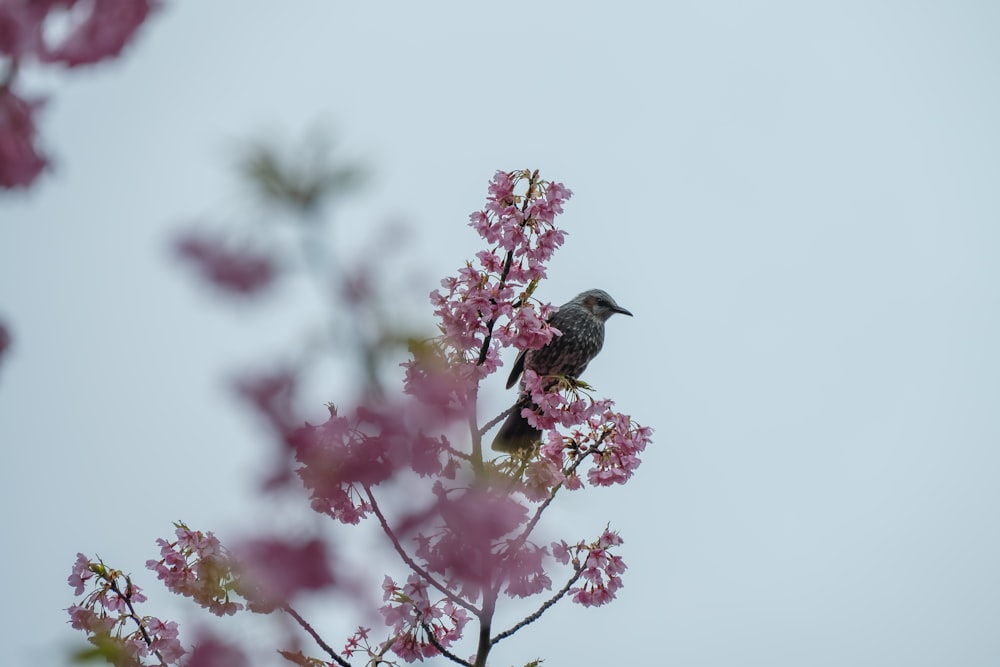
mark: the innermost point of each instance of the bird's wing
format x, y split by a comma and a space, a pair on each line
516, 371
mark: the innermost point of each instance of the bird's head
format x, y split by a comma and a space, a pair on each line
600, 304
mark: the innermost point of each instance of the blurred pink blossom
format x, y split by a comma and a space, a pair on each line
212, 652
95, 30
20, 160
234, 270
101, 33
21, 26
272, 572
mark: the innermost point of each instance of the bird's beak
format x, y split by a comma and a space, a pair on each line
619, 309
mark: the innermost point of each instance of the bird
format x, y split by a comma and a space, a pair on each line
581, 322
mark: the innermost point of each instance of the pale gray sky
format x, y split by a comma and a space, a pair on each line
798, 201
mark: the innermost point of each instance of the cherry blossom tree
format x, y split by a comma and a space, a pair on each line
407, 459
466, 534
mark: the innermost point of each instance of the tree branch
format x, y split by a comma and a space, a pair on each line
131, 612
476, 458
541, 610
409, 561
315, 635
523, 537
485, 623
445, 652
496, 420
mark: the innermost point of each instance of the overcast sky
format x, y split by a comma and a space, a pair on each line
799, 202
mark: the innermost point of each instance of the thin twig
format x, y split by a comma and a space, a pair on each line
445, 652
523, 537
315, 635
409, 561
541, 610
458, 454
496, 420
519, 541
134, 616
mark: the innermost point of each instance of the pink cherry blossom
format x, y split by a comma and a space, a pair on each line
81, 574
601, 569
561, 551
477, 308
540, 477
165, 640
525, 573
86, 619
110, 618
413, 617
197, 566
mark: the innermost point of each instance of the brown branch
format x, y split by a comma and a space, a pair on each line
541, 610
519, 541
315, 635
476, 458
134, 616
496, 420
523, 537
458, 454
409, 561
485, 623
445, 652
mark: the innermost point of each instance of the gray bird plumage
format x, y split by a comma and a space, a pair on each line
581, 322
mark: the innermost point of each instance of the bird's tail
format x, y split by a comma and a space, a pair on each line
516, 434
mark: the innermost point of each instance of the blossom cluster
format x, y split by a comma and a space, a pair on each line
486, 305
610, 440
599, 568
100, 30
524, 569
196, 565
105, 615
418, 626
344, 457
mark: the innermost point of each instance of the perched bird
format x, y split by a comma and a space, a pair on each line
581, 322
